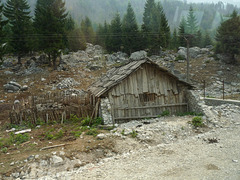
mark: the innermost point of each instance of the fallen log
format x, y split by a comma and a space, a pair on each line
55, 146
23, 131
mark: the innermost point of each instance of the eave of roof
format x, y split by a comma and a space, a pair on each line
115, 75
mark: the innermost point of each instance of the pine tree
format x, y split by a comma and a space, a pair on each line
76, 40
106, 35
174, 40
17, 13
228, 37
87, 29
100, 36
2, 34
197, 40
182, 32
115, 39
50, 23
148, 15
148, 25
130, 31
164, 28
192, 27
207, 39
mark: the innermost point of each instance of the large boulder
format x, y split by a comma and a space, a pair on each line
8, 62
94, 50
118, 57
12, 86
182, 52
138, 55
193, 51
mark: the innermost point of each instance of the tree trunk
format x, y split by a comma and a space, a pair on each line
19, 59
54, 62
49, 60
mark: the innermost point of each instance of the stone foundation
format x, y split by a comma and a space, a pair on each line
105, 111
194, 102
219, 102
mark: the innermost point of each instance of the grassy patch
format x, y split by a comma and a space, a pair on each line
197, 121
189, 114
164, 113
13, 139
92, 132
133, 134
50, 135
180, 57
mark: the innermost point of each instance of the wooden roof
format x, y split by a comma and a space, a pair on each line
115, 75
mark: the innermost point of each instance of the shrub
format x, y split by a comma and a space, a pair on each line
74, 118
86, 121
164, 113
77, 133
123, 132
180, 57
58, 135
19, 138
92, 132
92, 122
133, 134
197, 121
4, 150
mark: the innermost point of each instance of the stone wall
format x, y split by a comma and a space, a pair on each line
218, 102
105, 111
194, 102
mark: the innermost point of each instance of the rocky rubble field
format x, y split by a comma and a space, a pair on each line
161, 148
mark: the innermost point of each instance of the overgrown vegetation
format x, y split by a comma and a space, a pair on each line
16, 139
73, 127
133, 134
197, 121
164, 113
189, 114
93, 132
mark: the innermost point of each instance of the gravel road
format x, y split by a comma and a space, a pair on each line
192, 158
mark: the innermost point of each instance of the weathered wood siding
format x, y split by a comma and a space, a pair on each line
146, 93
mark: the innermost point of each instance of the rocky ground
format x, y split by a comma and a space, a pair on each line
167, 148
162, 148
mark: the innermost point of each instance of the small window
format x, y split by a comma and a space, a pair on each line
147, 97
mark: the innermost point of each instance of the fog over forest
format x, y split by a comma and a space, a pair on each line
209, 15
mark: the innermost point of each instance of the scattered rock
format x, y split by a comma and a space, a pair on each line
67, 83
24, 88
138, 55
8, 72
101, 136
56, 160
16, 102
118, 57
12, 86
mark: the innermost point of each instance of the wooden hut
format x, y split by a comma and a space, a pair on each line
137, 90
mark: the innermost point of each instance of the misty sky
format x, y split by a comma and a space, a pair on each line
235, 2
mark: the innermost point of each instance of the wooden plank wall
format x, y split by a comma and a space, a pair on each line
147, 93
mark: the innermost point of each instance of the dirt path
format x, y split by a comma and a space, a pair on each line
192, 158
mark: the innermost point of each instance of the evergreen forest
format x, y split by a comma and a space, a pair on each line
56, 26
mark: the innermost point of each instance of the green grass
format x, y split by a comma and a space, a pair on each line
13, 139
164, 114
197, 121
92, 132
133, 134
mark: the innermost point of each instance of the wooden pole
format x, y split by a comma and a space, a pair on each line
223, 90
204, 88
